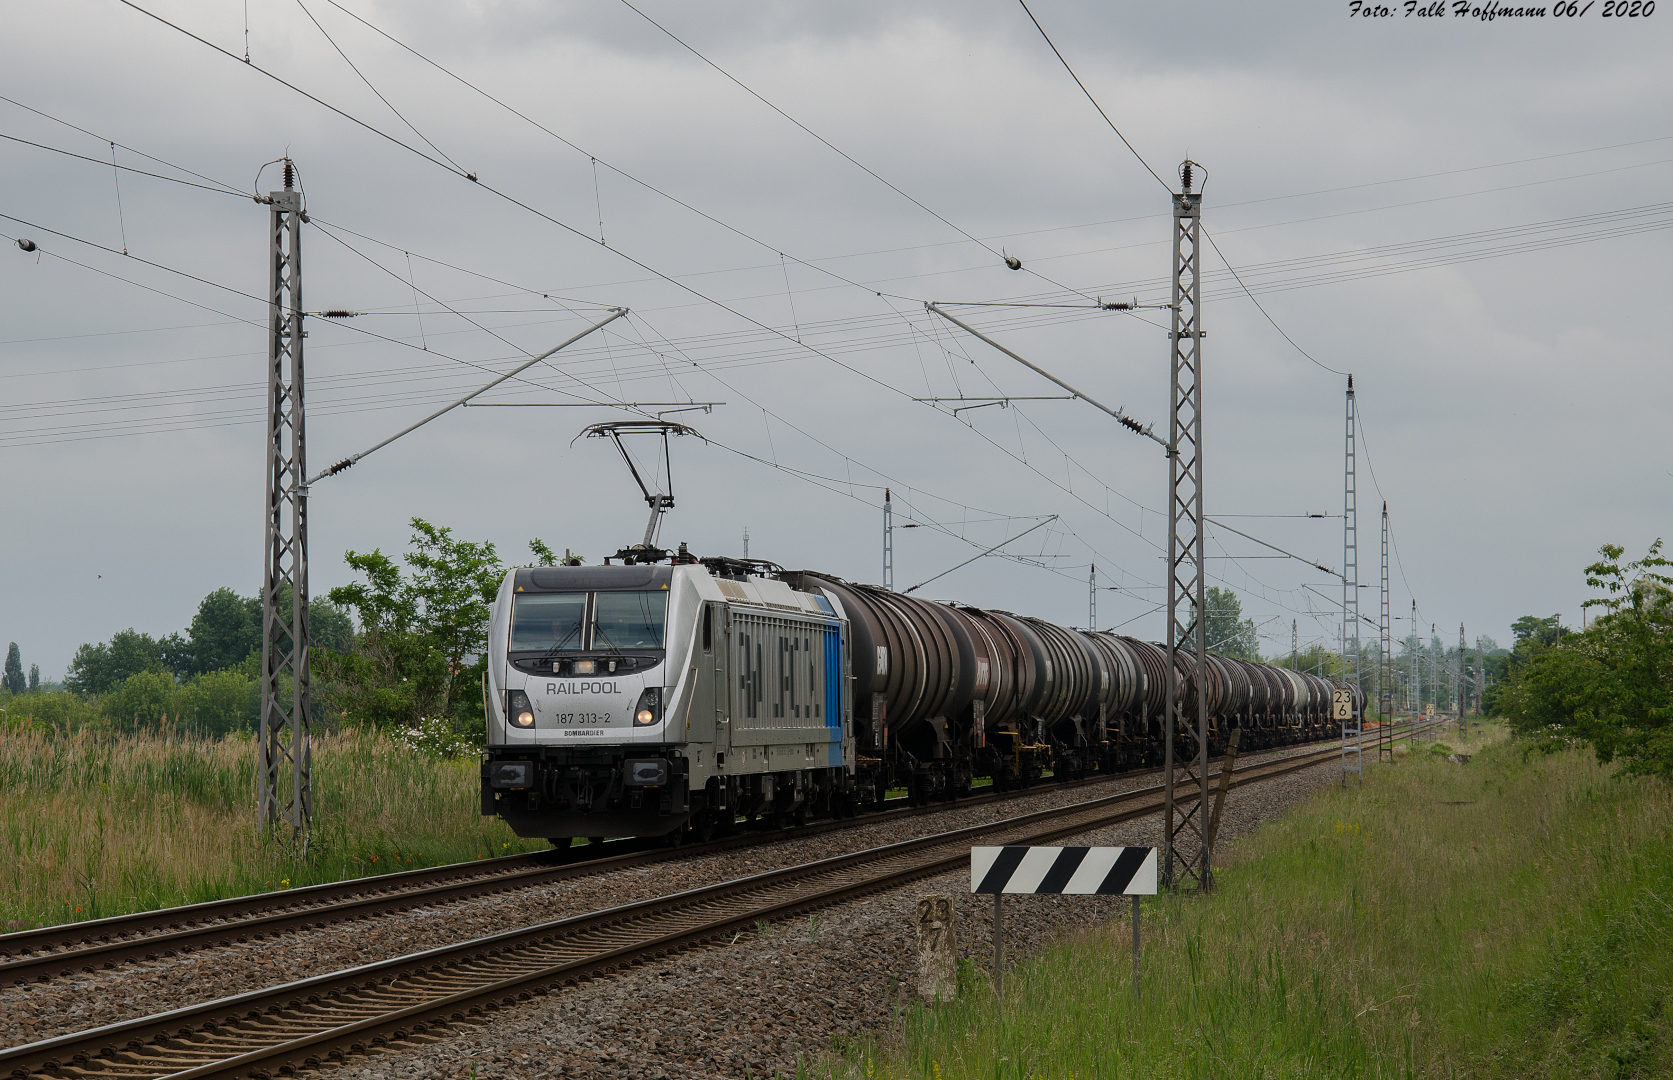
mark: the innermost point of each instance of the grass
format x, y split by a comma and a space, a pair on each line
1509, 917
95, 823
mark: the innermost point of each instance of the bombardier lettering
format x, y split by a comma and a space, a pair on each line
583, 688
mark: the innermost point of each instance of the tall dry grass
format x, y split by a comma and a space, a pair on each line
1505, 918
95, 823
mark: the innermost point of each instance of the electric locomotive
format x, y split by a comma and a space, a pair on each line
637, 700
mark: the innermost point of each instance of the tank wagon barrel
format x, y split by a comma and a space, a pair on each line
661, 700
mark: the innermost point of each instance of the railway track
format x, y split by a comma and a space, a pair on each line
421, 997
32, 956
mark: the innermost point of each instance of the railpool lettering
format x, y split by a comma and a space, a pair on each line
558, 688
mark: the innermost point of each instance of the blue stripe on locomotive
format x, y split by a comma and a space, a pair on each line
833, 690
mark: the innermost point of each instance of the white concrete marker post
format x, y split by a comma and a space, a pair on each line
1081, 871
937, 921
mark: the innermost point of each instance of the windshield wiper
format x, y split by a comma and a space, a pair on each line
601, 639
561, 644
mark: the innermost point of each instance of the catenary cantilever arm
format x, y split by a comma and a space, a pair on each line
984, 554
1126, 421
615, 313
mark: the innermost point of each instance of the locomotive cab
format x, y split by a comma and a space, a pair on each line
579, 690
633, 700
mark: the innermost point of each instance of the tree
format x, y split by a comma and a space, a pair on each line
34, 677
226, 629
1539, 631
329, 626
144, 698
424, 631
1229, 633
13, 678
1610, 686
98, 669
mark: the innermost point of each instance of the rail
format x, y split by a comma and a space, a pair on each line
40, 955
330, 1018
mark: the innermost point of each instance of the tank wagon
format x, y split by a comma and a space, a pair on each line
671, 699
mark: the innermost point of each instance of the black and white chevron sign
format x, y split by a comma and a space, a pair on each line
1107, 871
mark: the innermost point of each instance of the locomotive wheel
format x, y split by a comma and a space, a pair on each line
703, 827
595, 839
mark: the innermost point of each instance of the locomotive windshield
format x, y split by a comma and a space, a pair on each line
628, 620
550, 623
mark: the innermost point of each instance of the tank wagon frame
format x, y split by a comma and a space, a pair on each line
656, 699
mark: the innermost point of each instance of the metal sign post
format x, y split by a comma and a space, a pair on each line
1135, 903
1342, 708
1077, 871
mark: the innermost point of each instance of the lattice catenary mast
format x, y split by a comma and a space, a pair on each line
1353, 725
1184, 832
1092, 598
888, 541
1385, 662
1417, 665
284, 801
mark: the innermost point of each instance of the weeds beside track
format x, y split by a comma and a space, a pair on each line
1508, 917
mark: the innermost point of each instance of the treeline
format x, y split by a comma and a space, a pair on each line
206, 678
401, 648
1610, 685
12, 679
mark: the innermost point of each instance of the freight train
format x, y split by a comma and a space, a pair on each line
674, 698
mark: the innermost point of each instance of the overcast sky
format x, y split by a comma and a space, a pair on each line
1468, 215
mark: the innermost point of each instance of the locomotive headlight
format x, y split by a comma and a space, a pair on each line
583, 667
650, 707
518, 710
